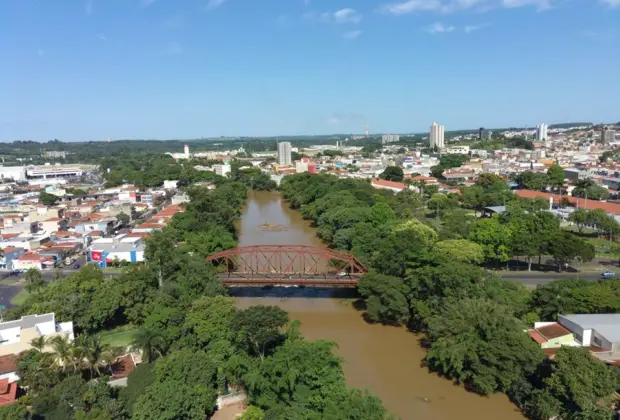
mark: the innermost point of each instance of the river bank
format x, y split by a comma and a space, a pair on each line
385, 360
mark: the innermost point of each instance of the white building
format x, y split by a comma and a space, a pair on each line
437, 136
186, 151
389, 138
284, 153
16, 336
457, 150
221, 170
541, 132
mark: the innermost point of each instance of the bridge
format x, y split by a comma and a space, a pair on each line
287, 265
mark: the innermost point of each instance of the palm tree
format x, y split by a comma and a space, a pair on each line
39, 343
150, 343
92, 353
64, 352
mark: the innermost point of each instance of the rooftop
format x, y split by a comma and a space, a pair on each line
608, 325
552, 331
27, 321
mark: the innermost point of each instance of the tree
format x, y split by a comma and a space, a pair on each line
356, 405
460, 250
579, 217
150, 343
137, 382
393, 173
299, 373
386, 298
209, 321
481, 344
174, 400
123, 218
160, 254
253, 413
565, 247
14, 412
48, 199
556, 175
578, 381
494, 237
258, 327
34, 279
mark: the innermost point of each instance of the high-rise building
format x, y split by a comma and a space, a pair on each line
607, 135
284, 153
437, 136
484, 134
186, 151
541, 132
390, 138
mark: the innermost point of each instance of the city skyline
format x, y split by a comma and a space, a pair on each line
160, 69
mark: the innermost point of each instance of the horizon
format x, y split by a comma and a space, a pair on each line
157, 69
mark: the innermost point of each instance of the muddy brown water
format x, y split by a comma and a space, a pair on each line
385, 360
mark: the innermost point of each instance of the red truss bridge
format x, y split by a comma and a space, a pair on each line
287, 265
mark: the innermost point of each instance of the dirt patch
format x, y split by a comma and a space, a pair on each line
230, 412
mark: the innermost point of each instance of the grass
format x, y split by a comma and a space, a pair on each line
20, 298
119, 337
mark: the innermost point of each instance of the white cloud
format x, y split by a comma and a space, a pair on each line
352, 34
612, 3
214, 4
347, 16
449, 6
412, 6
472, 28
439, 28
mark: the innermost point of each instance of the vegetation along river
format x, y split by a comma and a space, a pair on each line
385, 360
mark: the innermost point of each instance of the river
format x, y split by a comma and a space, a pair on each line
385, 360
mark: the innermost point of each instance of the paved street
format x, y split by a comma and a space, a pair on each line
537, 278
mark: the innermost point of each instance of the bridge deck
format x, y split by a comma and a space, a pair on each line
253, 279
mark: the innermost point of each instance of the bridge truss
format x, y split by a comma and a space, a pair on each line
287, 265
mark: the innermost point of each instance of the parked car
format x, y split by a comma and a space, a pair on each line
76, 266
609, 274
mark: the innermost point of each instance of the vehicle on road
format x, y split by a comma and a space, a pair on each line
76, 266
609, 274
69, 261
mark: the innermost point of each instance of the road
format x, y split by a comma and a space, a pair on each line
538, 278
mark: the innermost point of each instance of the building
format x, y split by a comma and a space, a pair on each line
120, 248
484, 134
541, 132
607, 135
437, 136
186, 151
27, 261
600, 333
390, 138
16, 336
457, 150
13, 173
284, 153
8, 255
221, 170
54, 154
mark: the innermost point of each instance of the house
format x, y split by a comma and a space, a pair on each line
148, 227
27, 261
8, 392
381, 184
16, 336
600, 333
8, 255
53, 224
8, 367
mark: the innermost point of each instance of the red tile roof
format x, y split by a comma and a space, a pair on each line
536, 336
8, 392
122, 367
552, 331
29, 257
389, 184
8, 363
611, 208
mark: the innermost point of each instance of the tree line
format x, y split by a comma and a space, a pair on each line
195, 343
427, 275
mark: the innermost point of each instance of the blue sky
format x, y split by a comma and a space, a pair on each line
98, 69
